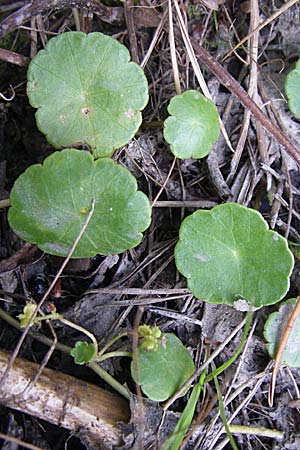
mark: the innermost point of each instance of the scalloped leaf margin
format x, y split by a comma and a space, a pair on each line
229, 254
193, 125
87, 91
50, 203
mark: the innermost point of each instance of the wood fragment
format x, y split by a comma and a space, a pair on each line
65, 401
130, 23
14, 58
257, 431
25, 255
184, 204
109, 14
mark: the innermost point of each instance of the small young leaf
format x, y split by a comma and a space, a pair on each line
83, 352
193, 126
274, 329
292, 90
164, 370
228, 254
24, 318
50, 202
87, 91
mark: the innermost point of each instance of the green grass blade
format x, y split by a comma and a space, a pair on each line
175, 439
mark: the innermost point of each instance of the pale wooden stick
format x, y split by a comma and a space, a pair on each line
65, 401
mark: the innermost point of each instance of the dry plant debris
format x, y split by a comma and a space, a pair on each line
238, 55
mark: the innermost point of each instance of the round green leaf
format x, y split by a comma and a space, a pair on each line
83, 352
228, 254
164, 370
87, 91
292, 90
50, 203
193, 126
274, 329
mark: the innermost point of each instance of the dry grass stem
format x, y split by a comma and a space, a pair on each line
273, 17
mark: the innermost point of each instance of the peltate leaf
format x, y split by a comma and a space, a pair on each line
164, 370
292, 90
83, 352
274, 329
50, 203
228, 254
193, 126
87, 91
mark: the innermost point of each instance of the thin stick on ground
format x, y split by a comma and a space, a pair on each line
252, 90
155, 38
5, 203
45, 296
234, 86
196, 67
281, 348
165, 183
273, 17
14, 58
108, 14
18, 442
173, 50
140, 404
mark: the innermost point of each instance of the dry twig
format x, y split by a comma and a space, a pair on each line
281, 348
273, 17
65, 401
230, 83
